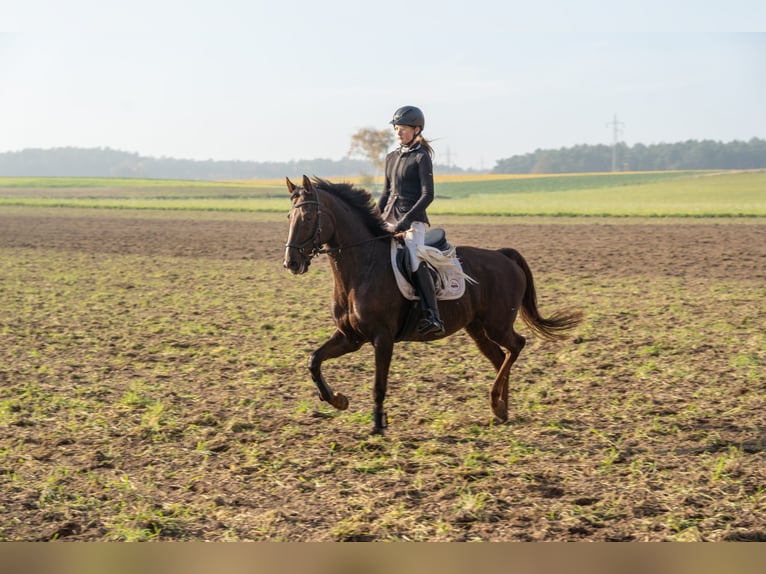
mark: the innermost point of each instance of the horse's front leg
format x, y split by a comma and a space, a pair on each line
384, 349
337, 345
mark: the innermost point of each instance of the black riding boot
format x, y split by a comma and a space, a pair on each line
430, 324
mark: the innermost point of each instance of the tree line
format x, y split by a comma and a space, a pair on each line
106, 162
691, 154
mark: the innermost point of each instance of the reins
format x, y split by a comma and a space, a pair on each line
349, 245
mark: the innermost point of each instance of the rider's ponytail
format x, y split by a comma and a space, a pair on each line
426, 145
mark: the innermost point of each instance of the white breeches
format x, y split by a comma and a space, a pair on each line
415, 236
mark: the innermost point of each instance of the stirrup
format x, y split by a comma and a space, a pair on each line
430, 326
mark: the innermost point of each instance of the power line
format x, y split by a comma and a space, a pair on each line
449, 157
616, 133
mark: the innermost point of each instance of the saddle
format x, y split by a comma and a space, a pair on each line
444, 265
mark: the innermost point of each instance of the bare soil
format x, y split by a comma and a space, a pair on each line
153, 387
707, 249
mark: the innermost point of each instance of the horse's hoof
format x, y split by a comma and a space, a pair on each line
500, 410
378, 431
339, 401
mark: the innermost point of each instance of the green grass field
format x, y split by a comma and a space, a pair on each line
652, 194
714, 195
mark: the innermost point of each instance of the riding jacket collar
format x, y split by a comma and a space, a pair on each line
408, 148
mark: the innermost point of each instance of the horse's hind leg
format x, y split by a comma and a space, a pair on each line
513, 344
498, 358
502, 360
338, 344
491, 350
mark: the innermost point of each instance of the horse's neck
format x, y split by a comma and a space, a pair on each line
353, 265
355, 250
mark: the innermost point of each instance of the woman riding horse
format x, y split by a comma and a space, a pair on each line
407, 191
341, 221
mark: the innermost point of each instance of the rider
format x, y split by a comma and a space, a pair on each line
408, 189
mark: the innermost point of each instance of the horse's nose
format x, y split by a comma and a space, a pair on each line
291, 264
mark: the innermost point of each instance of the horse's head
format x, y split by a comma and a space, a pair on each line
304, 237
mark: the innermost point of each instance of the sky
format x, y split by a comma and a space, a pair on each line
257, 80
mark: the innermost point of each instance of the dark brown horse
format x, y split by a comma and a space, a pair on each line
342, 221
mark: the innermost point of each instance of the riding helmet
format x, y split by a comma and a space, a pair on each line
409, 116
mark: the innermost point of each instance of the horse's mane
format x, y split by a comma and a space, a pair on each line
360, 200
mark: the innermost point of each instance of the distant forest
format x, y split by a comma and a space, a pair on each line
692, 154
105, 162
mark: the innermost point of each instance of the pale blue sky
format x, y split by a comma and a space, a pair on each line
274, 81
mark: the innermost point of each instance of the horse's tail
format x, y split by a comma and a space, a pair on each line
551, 328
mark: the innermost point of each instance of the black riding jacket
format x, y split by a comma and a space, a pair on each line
408, 188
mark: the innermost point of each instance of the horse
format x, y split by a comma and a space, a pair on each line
342, 221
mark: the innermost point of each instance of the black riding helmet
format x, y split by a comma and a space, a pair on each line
409, 116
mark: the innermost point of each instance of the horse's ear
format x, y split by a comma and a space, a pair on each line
307, 183
290, 185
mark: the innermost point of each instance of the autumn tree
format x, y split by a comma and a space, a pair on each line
373, 145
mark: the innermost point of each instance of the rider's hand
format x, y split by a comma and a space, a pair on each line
390, 227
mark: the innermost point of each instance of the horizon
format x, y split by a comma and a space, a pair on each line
307, 159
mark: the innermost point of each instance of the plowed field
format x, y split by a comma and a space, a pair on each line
153, 386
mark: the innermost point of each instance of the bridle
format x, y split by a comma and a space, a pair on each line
315, 242
316, 246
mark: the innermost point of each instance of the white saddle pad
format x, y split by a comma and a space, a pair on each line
450, 283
